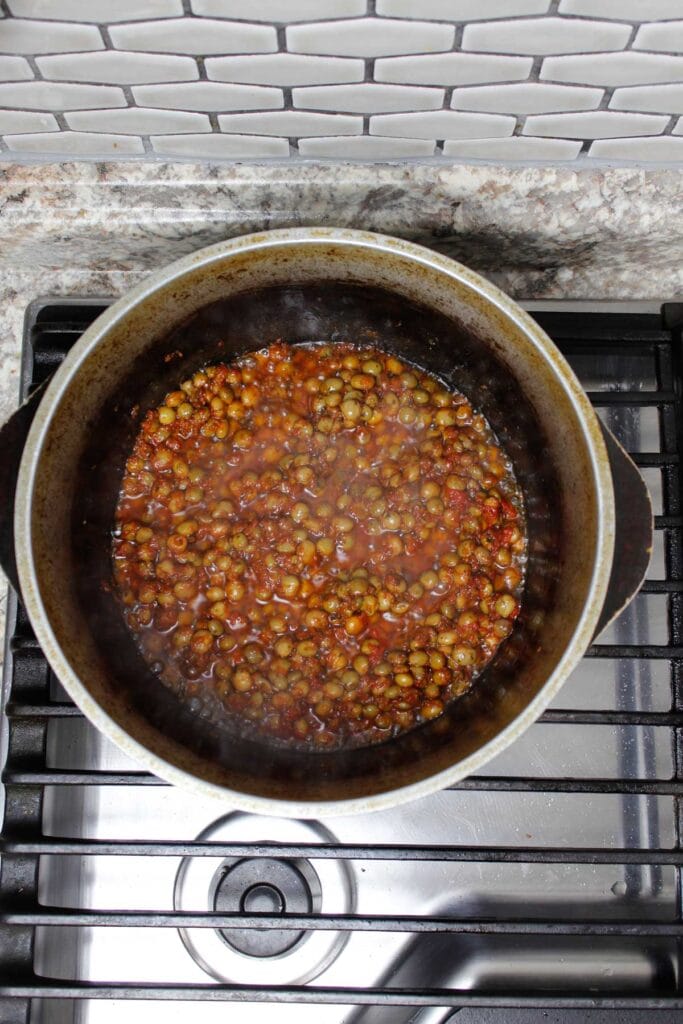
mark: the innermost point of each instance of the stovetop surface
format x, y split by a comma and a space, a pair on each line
546, 888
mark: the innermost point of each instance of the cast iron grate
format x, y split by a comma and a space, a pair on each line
595, 343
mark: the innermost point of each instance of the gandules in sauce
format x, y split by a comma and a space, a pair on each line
321, 542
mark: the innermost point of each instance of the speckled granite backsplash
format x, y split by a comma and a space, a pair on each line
538, 232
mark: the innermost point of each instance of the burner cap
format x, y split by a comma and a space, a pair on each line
264, 885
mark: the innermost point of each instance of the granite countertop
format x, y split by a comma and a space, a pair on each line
538, 232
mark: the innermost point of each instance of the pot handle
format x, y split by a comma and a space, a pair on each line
12, 441
634, 526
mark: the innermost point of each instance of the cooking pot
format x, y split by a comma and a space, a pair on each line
303, 285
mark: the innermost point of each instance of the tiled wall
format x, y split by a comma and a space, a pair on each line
508, 80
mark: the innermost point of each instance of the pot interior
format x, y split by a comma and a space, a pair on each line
454, 336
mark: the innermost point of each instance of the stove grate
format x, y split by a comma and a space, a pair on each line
596, 344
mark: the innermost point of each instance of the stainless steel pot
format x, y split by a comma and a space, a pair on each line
302, 285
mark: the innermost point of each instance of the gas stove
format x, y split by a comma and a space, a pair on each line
545, 888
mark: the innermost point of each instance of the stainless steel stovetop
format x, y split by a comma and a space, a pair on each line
550, 881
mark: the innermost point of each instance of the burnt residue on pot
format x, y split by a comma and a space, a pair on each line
305, 314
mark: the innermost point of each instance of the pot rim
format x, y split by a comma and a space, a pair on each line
33, 450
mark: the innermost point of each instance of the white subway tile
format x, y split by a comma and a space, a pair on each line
209, 96
138, 121
195, 36
67, 144
656, 99
218, 147
623, 10
21, 121
369, 37
14, 69
277, 10
526, 98
365, 147
663, 147
594, 125
368, 98
59, 96
23, 36
291, 123
119, 68
514, 148
452, 69
678, 130
285, 69
666, 37
540, 36
442, 124
613, 69
461, 10
95, 10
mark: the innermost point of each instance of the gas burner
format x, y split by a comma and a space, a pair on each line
271, 885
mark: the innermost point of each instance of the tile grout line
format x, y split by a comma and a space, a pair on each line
606, 99
535, 69
127, 90
286, 90
456, 47
33, 64
632, 38
668, 128
211, 114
